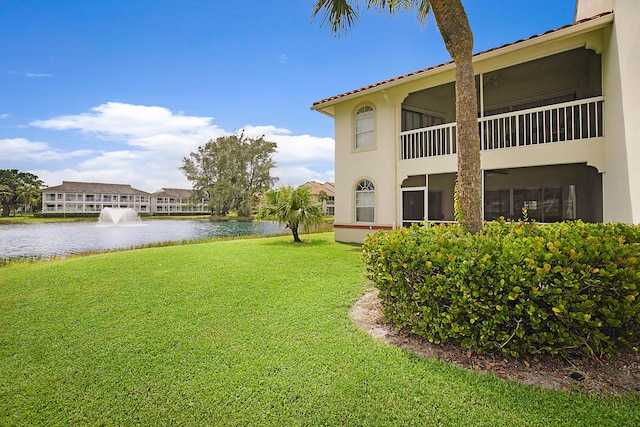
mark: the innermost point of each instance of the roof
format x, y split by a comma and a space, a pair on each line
173, 192
95, 187
316, 187
317, 105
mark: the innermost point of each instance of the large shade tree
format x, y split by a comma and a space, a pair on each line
294, 208
231, 171
17, 187
452, 21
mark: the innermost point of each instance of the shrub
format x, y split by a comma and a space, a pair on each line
522, 288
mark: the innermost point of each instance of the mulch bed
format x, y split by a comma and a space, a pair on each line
579, 375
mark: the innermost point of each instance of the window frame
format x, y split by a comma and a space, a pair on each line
365, 186
360, 143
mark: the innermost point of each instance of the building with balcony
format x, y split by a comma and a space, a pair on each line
90, 197
558, 123
174, 201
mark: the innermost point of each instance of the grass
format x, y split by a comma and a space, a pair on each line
238, 332
30, 218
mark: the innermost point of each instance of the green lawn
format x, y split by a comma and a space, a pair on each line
240, 332
29, 218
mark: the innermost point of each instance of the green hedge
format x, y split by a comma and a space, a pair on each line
522, 288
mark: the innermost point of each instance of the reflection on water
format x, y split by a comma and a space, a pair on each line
63, 238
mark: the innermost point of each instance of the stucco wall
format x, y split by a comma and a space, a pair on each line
588, 8
376, 164
616, 154
622, 112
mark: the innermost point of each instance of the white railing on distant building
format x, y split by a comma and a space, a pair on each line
568, 121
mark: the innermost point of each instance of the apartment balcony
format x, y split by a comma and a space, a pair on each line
552, 124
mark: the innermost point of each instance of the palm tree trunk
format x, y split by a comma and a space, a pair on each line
458, 39
296, 238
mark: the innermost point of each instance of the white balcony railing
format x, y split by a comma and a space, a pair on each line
568, 121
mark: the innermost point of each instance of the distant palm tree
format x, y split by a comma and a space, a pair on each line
458, 39
6, 195
323, 197
27, 194
293, 208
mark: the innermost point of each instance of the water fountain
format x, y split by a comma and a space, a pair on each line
118, 216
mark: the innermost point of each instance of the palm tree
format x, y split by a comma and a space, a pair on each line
293, 208
323, 197
6, 195
454, 27
27, 194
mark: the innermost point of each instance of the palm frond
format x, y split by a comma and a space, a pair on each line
338, 15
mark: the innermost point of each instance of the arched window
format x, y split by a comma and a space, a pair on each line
365, 136
365, 201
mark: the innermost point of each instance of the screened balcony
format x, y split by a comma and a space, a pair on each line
567, 121
550, 100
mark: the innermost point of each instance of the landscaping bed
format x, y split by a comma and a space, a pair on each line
583, 375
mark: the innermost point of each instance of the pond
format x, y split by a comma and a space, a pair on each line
43, 240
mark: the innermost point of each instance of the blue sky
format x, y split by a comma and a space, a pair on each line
119, 91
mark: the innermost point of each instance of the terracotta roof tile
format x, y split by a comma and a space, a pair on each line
173, 192
95, 187
316, 187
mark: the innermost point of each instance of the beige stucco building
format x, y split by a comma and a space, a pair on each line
172, 201
73, 197
328, 201
558, 121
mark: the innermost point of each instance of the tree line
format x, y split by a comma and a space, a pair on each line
18, 190
234, 174
231, 172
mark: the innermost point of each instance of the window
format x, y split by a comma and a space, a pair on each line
365, 136
365, 201
497, 203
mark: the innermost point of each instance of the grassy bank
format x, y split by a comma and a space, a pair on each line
30, 218
239, 332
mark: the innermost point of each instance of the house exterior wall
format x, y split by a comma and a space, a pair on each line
588, 8
177, 205
621, 63
81, 197
170, 201
328, 202
611, 157
74, 202
376, 164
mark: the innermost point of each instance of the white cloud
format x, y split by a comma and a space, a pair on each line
295, 148
21, 149
4, 116
149, 143
115, 119
296, 175
305, 149
38, 75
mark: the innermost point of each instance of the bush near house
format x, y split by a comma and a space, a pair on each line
520, 287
